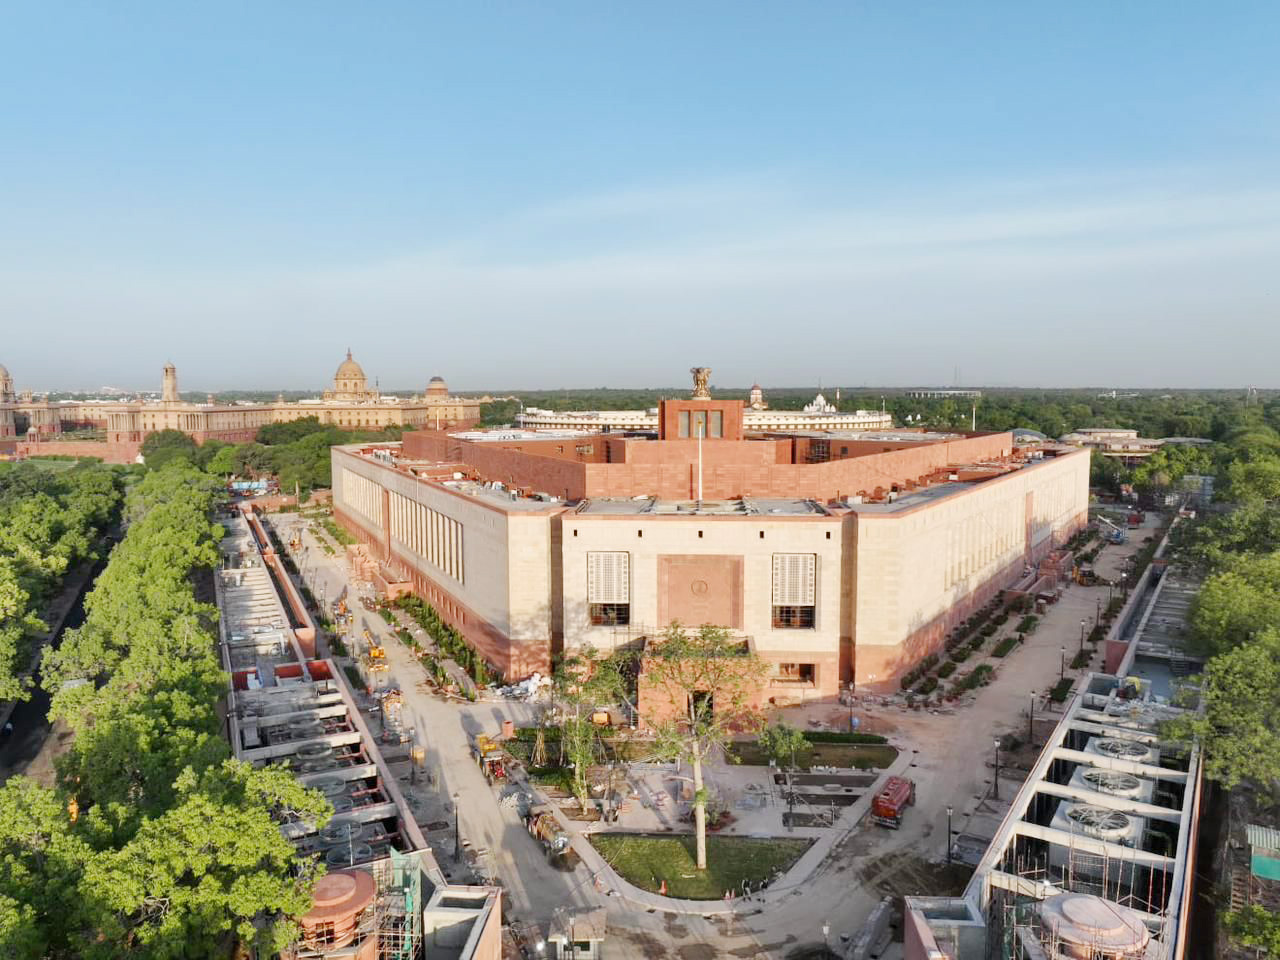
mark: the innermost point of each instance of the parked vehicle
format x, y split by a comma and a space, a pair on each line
891, 802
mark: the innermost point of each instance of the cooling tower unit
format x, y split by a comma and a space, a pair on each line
1116, 749
1091, 822
1078, 926
1113, 783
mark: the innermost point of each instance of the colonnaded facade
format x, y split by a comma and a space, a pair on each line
29, 424
851, 565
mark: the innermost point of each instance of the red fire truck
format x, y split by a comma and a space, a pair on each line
892, 801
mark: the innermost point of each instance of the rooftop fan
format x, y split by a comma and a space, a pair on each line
1113, 782
1124, 749
341, 831
1099, 821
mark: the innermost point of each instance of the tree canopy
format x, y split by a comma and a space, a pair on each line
174, 849
699, 687
49, 523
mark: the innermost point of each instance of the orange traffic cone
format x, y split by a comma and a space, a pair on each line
662, 888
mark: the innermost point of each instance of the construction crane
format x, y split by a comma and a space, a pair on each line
1118, 534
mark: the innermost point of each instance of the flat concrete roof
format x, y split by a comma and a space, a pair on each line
755, 507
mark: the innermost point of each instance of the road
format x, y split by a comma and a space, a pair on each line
30, 750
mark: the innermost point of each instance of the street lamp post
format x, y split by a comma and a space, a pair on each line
1083, 621
995, 783
1031, 720
457, 837
1062, 667
826, 936
949, 836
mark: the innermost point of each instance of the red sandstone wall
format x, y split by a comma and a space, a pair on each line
108, 452
730, 469
561, 478
748, 469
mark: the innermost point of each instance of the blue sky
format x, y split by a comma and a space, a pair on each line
532, 195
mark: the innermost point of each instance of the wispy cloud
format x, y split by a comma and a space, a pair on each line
763, 279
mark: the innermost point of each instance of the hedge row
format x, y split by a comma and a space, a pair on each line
823, 736
448, 640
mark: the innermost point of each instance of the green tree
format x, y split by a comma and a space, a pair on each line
700, 688
164, 446
41, 859
223, 463
782, 743
17, 624
1106, 473
213, 865
584, 682
1235, 604
1253, 480
1239, 725
1256, 927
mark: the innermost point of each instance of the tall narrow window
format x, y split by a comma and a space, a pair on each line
609, 588
794, 589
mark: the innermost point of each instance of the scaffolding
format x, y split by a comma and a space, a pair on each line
398, 906
1014, 919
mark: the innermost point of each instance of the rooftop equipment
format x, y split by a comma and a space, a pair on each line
1077, 926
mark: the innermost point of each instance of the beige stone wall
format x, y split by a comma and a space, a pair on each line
506, 557
917, 570
678, 537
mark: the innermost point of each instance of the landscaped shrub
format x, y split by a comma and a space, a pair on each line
947, 669
961, 655
1080, 659
927, 686
989, 630
1005, 646
980, 676
1060, 690
824, 736
1028, 623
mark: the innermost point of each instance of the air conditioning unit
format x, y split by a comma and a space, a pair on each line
1113, 783
1090, 821
1114, 748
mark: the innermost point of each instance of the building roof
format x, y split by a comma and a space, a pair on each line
1264, 838
738, 507
349, 369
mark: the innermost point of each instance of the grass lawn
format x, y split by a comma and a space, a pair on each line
857, 755
647, 860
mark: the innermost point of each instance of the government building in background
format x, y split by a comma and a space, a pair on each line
756, 418
32, 427
837, 555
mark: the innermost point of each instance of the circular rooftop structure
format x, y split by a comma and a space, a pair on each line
436, 387
349, 369
1087, 926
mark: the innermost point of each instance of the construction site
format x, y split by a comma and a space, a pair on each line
1096, 855
383, 895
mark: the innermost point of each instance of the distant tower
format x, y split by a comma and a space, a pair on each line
169, 393
6, 386
757, 398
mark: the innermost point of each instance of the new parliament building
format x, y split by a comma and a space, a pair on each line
837, 556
